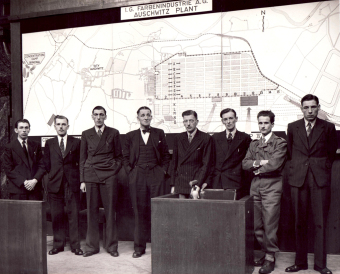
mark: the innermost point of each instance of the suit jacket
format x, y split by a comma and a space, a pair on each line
318, 155
18, 169
99, 158
131, 148
274, 150
228, 161
58, 167
191, 161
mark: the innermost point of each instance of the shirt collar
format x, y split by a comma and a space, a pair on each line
312, 123
232, 132
141, 130
97, 128
59, 138
267, 137
192, 134
20, 140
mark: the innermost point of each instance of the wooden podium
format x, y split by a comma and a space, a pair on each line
23, 237
202, 236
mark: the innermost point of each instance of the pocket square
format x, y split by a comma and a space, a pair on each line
198, 148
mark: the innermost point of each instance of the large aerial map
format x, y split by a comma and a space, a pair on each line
248, 60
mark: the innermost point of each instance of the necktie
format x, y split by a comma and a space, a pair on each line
99, 133
309, 128
62, 147
230, 137
24, 148
145, 130
262, 141
190, 138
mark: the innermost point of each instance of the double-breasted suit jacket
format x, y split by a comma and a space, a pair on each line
100, 158
18, 168
228, 158
191, 161
58, 167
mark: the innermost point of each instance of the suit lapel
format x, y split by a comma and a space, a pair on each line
56, 146
234, 144
31, 150
196, 141
301, 129
154, 140
222, 142
135, 142
316, 132
17, 147
102, 139
68, 145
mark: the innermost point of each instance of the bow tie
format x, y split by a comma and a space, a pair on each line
146, 130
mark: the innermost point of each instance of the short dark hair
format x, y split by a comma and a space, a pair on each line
267, 113
143, 107
189, 112
59, 117
310, 97
22, 121
99, 108
226, 110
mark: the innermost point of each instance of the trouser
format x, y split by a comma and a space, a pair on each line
144, 185
266, 193
107, 192
65, 196
319, 199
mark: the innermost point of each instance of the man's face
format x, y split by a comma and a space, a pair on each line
99, 117
265, 126
144, 117
190, 123
23, 129
61, 126
229, 120
310, 110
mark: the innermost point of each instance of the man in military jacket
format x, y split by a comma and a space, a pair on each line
266, 158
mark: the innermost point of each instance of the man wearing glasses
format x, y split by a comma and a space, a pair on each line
192, 157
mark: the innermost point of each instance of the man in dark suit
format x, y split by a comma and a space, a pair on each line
230, 147
312, 145
192, 157
100, 161
266, 158
146, 160
61, 159
23, 165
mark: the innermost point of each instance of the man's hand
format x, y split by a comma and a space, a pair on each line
172, 190
193, 182
83, 187
30, 184
264, 162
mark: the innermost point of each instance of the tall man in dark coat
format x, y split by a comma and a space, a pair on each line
23, 165
230, 147
192, 157
312, 145
100, 161
61, 159
146, 160
266, 158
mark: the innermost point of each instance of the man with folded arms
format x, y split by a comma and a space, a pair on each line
266, 158
312, 145
61, 159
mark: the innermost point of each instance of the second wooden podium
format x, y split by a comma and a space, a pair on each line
202, 236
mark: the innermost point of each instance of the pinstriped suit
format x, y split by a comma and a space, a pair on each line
191, 161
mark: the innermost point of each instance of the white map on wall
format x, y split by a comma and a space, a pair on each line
249, 60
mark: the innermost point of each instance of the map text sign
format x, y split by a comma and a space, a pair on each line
34, 58
164, 9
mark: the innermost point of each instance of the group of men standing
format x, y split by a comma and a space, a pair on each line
92, 164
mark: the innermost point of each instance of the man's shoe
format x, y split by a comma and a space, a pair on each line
322, 270
138, 254
296, 268
54, 251
90, 253
114, 253
267, 267
259, 262
77, 251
